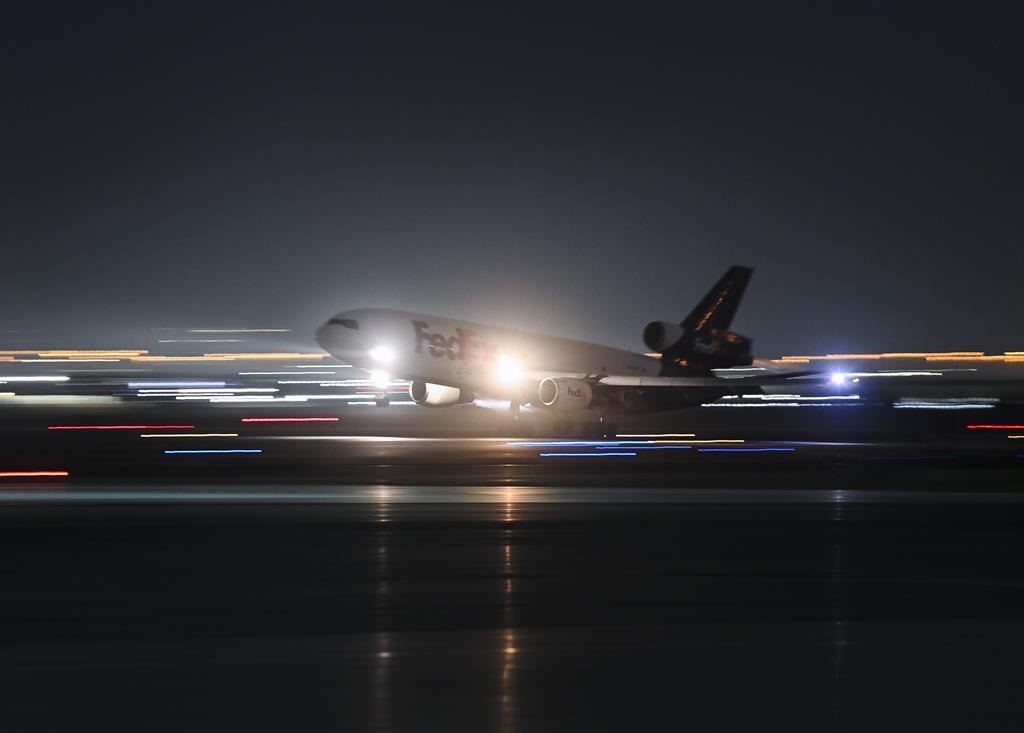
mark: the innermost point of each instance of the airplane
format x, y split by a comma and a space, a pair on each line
451, 362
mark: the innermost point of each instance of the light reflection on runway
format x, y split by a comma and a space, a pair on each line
383, 497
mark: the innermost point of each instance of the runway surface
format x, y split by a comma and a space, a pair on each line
412, 608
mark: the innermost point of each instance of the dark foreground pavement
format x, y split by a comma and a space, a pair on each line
515, 611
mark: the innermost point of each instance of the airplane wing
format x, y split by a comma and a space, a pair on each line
760, 379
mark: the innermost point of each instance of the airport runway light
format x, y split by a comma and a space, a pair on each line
507, 371
382, 354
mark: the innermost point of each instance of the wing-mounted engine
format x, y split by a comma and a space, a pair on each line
565, 394
438, 395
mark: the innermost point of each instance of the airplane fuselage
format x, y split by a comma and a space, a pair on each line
465, 354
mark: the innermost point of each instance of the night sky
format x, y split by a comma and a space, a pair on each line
576, 170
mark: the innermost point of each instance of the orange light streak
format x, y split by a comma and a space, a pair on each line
31, 474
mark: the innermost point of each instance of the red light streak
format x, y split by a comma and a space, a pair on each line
290, 419
31, 474
121, 427
995, 427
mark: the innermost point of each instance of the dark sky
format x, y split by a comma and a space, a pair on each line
573, 169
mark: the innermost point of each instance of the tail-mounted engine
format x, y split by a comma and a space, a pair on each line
709, 348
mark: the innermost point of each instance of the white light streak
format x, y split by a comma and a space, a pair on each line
189, 435
268, 374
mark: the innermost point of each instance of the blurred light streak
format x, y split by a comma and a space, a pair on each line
31, 474
995, 427
170, 359
61, 361
613, 443
269, 374
894, 373
304, 397
239, 330
189, 435
223, 397
269, 355
231, 450
207, 390
566, 443
93, 353
121, 427
978, 358
173, 385
771, 404
6, 394
575, 455
329, 383
290, 419
745, 450
651, 447
789, 397
887, 355
367, 402
54, 399
942, 406
656, 435
34, 379
200, 341
321, 366
1014, 437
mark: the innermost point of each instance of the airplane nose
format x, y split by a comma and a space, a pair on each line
323, 335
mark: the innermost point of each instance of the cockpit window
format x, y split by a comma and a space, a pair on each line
346, 322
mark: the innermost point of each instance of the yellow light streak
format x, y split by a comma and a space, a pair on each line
179, 358
70, 353
886, 355
656, 435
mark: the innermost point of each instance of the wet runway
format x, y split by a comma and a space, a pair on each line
409, 608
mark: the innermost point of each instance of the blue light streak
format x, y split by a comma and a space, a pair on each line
603, 454
745, 450
650, 447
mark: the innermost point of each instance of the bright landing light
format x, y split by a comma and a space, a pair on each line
838, 379
382, 354
507, 371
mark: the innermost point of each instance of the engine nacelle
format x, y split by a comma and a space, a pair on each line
565, 394
437, 395
661, 336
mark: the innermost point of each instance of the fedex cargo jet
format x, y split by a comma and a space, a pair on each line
450, 362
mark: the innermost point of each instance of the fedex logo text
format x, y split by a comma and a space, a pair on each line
463, 346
